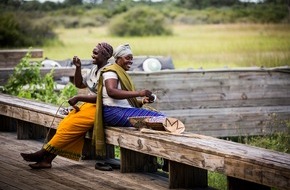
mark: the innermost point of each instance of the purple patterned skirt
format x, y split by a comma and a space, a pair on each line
118, 116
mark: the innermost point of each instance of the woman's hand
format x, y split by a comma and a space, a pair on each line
149, 99
146, 93
72, 101
76, 61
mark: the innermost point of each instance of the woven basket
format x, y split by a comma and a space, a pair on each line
155, 123
138, 122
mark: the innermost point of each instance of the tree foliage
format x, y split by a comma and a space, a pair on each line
30, 23
139, 21
18, 31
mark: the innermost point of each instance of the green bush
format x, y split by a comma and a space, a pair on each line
20, 31
139, 21
27, 82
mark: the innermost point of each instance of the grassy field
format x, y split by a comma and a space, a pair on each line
195, 46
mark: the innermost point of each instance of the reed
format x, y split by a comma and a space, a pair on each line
191, 46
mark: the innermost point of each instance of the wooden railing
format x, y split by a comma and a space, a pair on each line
219, 103
10, 58
190, 155
222, 102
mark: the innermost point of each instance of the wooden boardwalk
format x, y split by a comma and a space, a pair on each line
64, 174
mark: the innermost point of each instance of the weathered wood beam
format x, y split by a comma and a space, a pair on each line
58, 72
248, 163
11, 57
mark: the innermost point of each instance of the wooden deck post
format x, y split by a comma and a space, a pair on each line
132, 161
185, 176
27, 130
239, 184
7, 124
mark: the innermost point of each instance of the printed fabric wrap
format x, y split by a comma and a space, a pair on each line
126, 84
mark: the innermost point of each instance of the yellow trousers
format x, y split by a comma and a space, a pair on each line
69, 138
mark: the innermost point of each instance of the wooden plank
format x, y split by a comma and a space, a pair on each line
20, 53
218, 122
223, 122
11, 57
65, 174
31, 116
58, 72
272, 168
165, 103
231, 89
30, 111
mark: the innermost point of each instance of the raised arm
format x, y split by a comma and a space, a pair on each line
78, 78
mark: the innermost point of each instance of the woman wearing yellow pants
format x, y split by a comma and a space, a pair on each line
69, 138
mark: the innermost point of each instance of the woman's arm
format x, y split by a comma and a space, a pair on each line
113, 91
78, 78
88, 98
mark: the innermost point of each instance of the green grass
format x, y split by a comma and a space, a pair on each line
194, 46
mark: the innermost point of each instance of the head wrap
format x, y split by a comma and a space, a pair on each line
122, 50
105, 49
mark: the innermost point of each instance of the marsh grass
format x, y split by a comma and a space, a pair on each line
191, 46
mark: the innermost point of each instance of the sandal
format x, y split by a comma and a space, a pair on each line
114, 163
102, 166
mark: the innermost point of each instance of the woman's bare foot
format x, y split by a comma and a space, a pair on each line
34, 157
40, 165
31, 157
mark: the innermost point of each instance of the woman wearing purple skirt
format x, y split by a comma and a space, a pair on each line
118, 97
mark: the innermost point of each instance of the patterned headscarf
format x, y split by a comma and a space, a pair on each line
105, 49
122, 50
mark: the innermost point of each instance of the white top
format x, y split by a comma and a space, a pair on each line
91, 80
107, 100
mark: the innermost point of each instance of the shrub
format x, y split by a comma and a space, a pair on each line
139, 21
19, 31
27, 82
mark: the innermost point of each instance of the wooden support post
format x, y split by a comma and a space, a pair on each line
23, 130
185, 176
132, 161
7, 124
239, 184
110, 151
38, 132
27, 130
88, 150
50, 132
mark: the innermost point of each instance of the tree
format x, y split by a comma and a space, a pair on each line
139, 21
73, 2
